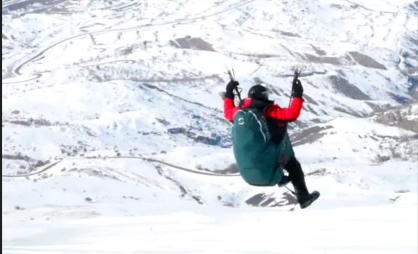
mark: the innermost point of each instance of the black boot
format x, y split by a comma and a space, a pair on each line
297, 178
308, 200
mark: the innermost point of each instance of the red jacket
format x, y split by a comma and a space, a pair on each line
272, 111
276, 116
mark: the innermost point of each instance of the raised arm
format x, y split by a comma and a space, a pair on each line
229, 105
229, 109
291, 113
286, 114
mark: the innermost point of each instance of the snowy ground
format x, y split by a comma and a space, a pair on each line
113, 137
159, 228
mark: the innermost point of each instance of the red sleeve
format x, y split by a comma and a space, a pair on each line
286, 114
230, 109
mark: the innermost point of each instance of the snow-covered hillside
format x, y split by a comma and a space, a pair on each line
114, 140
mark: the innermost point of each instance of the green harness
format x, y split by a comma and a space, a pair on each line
259, 160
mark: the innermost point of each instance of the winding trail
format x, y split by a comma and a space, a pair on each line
150, 160
18, 69
368, 9
111, 62
36, 76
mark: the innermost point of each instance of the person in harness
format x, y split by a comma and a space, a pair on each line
262, 146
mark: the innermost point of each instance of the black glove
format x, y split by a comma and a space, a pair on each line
297, 89
230, 89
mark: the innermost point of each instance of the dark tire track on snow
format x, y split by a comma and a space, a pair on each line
150, 160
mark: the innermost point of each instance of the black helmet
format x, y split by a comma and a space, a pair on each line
259, 92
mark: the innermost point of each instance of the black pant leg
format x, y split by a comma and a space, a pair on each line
297, 177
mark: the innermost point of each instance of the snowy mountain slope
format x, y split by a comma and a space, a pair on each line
92, 90
320, 157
